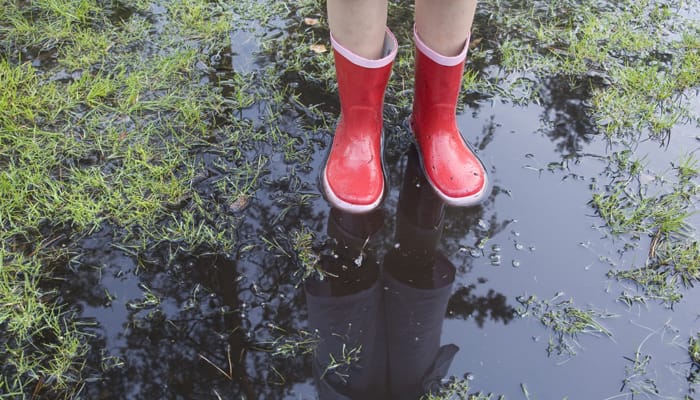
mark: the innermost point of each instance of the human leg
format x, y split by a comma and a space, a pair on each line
358, 25
444, 25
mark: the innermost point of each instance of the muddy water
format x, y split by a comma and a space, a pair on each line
425, 290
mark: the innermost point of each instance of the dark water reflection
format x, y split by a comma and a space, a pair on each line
422, 291
380, 324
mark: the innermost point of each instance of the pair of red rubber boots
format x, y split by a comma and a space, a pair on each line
353, 178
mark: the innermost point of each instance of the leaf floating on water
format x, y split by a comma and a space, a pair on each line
318, 48
311, 21
474, 43
239, 204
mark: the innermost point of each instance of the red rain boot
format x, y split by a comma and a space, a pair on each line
452, 168
353, 179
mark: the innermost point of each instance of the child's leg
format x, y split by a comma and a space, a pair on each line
444, 25
359, 25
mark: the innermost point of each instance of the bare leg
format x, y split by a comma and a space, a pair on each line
359, 25
444, 25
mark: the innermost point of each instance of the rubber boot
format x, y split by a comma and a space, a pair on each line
353, 179
450, 165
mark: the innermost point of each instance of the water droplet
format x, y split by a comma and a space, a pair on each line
532, 248
475, 253
516, 263
482, 224
188, 305
397, 245
358, 260
417, 184
519, 246
495, 259
496, 248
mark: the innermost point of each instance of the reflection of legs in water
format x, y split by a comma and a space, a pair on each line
419, 281
345, 310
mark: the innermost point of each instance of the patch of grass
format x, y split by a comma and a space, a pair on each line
309, 261
694, 349
565, 320
41, 346
290, 344
694, 354
458, 389
634, 57
103, 121
637, 204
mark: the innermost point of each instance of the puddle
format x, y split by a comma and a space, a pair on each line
417, 291
237, 325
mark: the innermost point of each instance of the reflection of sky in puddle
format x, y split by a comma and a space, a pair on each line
553, 214
538, 216
244, 46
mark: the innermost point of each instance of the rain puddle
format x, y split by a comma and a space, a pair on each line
414, 293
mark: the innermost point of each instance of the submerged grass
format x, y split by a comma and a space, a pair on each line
636, 204
565, 320
637, 59
111, 114
103, 115
458, 389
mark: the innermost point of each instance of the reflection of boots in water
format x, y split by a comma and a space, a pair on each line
419, 282
345, 310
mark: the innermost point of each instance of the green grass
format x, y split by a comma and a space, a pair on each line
565, 321
104, 118
42, 346
637, 204
638, 74
458, 389
694, 349
104, 128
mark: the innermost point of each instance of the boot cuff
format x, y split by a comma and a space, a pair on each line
437, 57
388, 52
